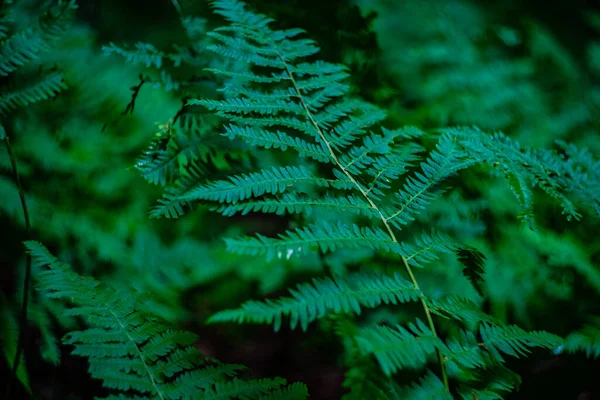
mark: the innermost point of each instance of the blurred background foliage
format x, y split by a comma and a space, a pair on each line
88, 162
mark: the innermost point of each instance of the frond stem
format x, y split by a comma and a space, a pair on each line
137, 349
384, 220
27, 280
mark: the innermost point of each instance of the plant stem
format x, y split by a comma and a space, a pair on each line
27, 281
384, 220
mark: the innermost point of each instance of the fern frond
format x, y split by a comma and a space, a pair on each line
461, 309
143, 53
357, 158
273, 181
389, 167
465, 351
291, 204
398, 348
24, 47
277, 140
429, 387
514, 341
175, 149
133, 352
19, 50
325, 236
419, 191
245, 389
426, 247
324, 296
172, 204
524, 168
42, 89
496, 383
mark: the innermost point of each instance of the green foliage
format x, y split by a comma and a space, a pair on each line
423, 279
132, 351
21, 48
310, 302
285, 102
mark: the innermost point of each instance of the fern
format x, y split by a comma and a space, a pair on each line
22, 48
400, 348
286, 101
360, 206
136, 354
310, 302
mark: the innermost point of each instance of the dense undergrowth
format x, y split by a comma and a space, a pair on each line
399, 200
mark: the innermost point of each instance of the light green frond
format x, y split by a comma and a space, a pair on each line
324, 236
289, 203
323, 297
273, 181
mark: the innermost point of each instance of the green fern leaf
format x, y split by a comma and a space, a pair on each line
131, 350
42, 89
325, 236
514, 341
273, 181
144, 53
325, 296
399, 348
291, 204
429, 387
461, 309
420, 190
426, 248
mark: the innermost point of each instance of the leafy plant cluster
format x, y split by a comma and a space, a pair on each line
412, 248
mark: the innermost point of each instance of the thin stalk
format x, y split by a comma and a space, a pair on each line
27, 281
384, 220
